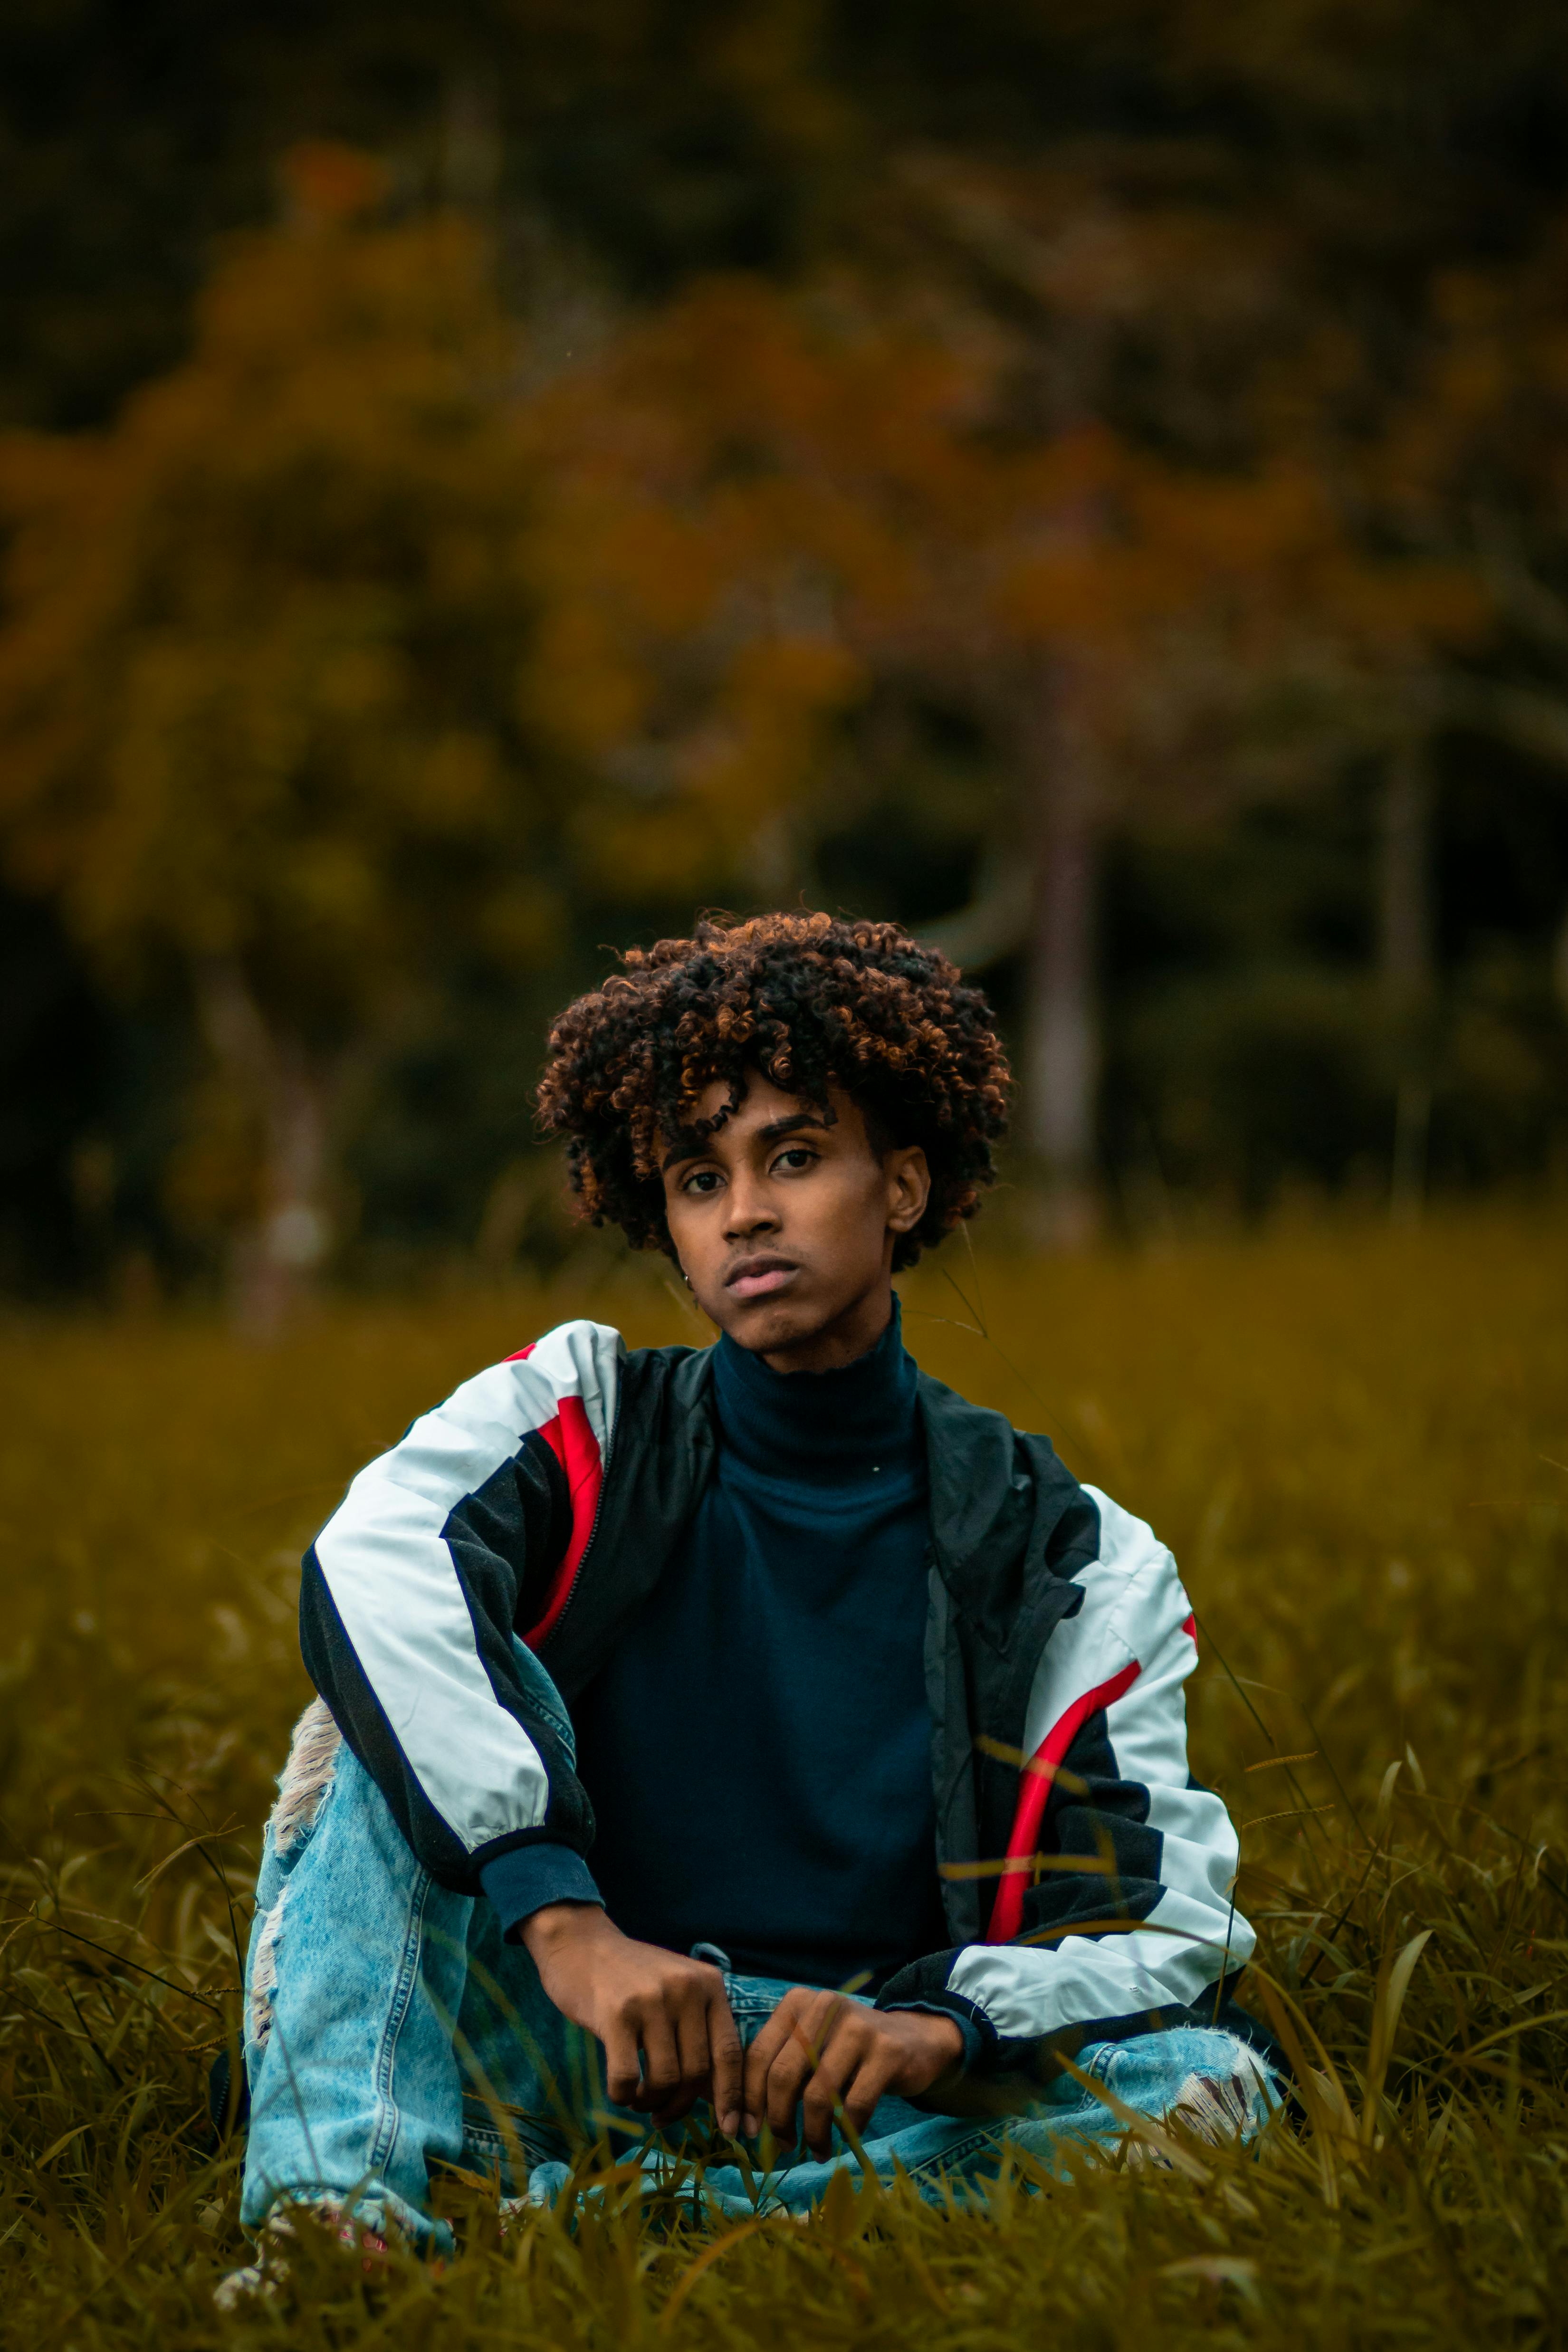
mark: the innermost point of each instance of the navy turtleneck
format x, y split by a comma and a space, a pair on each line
758, 1750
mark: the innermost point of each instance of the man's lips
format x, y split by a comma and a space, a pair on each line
759, 1277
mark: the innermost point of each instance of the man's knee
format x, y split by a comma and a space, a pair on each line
1204, 2079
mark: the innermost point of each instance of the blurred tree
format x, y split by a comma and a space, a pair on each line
1118, 224
767, 511
259, 687
669, 136
1229, 611
746, 494
1469, 466
660, 135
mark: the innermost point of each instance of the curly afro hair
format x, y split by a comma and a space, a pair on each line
806, 1000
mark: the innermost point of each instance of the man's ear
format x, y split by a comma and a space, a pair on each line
908, 1186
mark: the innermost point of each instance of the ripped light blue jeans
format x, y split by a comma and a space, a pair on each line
390, 2032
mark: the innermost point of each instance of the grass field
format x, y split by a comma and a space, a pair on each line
1357, 1443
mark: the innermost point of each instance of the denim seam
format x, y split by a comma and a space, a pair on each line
387, 2116
539, 2145
948, 2158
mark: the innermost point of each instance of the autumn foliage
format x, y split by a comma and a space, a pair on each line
381, 633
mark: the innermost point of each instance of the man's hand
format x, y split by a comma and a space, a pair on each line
635, 1997
842, 2056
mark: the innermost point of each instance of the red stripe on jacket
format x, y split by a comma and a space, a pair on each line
1007, 1911
570, 1437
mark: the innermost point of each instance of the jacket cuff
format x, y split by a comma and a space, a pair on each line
525, 1880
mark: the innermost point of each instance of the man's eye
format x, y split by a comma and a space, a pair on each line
795, 1159
701, 1180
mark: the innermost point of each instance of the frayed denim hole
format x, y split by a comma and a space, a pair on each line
305, 1780
263, 1983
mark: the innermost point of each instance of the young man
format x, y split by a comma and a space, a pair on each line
763, 1722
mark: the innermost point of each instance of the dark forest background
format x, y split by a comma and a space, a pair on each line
1091, 483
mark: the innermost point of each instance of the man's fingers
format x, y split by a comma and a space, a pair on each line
829, 2088
787, 2077
690, 2031
866, 2088
810, 2030
820, 2059
621, 2075
760, 2057
661, 2063
726, 2061
819, 2053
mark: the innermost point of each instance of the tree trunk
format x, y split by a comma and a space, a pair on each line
1061, 1062
1408, 963
276, 1260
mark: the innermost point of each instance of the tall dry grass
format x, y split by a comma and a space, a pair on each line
1357, 1443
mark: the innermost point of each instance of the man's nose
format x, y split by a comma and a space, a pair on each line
750, 1210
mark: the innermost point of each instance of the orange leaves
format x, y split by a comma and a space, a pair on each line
337, 590
328, 184
734, 507
265, 635
737, 442
813, 491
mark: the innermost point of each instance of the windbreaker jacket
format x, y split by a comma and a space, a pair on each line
1087, 1877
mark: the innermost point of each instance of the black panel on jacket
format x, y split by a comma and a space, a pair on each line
511, 1532
1095, 1815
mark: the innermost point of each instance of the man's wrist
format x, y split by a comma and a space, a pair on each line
967, 2040
942, 2036
554, 1924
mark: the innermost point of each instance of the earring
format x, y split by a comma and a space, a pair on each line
686, 1278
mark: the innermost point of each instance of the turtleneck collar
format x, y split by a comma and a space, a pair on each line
824, 1428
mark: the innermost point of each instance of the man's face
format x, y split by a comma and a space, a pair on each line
785, 1224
